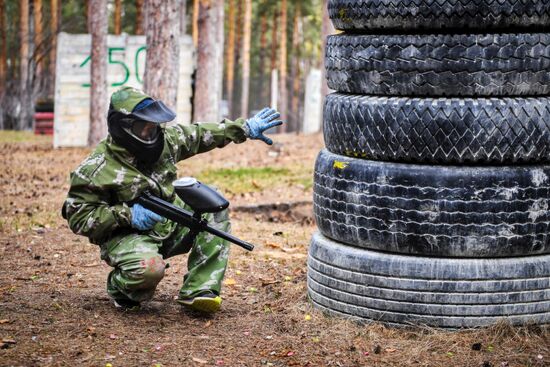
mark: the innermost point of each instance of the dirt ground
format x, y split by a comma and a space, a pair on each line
54, 310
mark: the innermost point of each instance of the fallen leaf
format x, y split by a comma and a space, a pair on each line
266, 282
9, 341
449, 354
238, 272
230, 282
198, 360
316, 339
253, 290
4, 321
273, 245
307, 317
208, 323
390, 350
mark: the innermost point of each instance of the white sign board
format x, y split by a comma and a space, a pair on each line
126, 63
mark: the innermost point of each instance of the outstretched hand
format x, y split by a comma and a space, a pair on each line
262, 121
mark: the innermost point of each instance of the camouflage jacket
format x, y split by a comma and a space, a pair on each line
96, 205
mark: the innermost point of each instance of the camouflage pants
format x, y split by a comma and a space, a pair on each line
138, 259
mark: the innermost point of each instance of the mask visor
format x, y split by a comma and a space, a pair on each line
145, 131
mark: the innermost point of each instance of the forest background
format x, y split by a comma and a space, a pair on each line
259, 37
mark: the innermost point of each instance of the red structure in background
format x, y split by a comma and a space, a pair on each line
43, 123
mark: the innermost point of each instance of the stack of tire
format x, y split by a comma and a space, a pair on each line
432, 196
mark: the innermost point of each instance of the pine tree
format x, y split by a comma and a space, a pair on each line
98, 92
209, 79
163, 50
246, 57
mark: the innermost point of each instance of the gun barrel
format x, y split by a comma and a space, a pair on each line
186, 218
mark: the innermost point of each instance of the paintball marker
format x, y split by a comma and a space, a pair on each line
202, 199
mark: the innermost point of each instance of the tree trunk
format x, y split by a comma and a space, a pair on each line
295, 72
283, 92
237, 92
25, 115
163, 50
263, 49
246, 57
273, 73
183, 17
3, 50
239, 35
230, 56
274, 34
139, 17
99, 100
87, 5
196, 22
39, 48
327, 30
118, 15
209, 80
3, 62
54, 30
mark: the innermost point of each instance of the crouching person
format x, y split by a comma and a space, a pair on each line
140, 154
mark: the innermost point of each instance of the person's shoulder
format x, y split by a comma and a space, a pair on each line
93, 164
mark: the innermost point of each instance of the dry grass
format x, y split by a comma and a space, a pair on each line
53, 303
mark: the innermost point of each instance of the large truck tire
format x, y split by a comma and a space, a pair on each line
440, 65
422, 15
445, 211
439, 130
440, 292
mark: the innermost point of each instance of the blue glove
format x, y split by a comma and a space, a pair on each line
144, 219
264, 120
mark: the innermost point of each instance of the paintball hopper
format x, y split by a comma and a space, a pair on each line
201, 198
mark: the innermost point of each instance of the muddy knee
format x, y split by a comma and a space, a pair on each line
144, 273
153, 270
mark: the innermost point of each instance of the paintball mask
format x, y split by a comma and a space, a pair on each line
136, 122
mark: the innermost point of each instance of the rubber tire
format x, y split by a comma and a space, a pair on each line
440, 131
445, 211
419, 15
440, 65
404, 290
